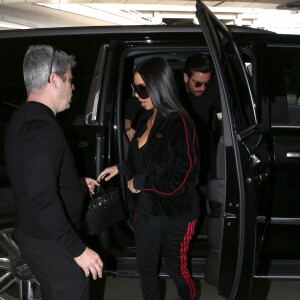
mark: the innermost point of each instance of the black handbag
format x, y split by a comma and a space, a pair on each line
105, 209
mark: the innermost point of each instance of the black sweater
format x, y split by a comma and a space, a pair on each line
46, 187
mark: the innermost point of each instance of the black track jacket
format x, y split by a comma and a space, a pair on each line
172, 167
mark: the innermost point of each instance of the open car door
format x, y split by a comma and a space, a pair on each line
236, 223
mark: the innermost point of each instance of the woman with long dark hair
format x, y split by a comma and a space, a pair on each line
162, 168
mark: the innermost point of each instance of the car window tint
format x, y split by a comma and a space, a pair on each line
236, 79
284, 87
241, 103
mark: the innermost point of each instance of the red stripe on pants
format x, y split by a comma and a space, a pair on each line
183, 258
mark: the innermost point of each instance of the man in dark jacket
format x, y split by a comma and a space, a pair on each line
46, 187
200, 97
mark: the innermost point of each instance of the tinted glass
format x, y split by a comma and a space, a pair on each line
235, 73
284, 74
241, 101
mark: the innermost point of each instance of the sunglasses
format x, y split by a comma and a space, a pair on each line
200, 83
141, 90
51, 64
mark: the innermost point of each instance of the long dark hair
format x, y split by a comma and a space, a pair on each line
161, 85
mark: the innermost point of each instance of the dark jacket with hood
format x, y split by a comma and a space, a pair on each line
172, 168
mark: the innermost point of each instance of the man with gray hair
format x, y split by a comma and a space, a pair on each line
47, 190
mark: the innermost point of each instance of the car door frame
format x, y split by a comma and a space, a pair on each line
235, 273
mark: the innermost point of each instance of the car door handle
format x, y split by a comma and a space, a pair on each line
254, 160
293, 155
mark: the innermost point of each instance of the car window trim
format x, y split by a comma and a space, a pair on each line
91, 115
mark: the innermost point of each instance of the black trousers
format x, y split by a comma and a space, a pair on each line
174, 245
59, 276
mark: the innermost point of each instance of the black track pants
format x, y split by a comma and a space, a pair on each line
174, 245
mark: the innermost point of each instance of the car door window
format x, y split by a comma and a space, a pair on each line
241, 101
284, 74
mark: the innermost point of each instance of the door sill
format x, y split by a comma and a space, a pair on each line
278, 269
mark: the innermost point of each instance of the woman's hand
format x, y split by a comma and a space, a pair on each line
131, 188
130, 133
108, 173
90, 184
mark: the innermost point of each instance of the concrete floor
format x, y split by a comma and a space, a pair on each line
118, 288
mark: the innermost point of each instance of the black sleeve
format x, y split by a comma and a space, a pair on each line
132, 109
215, 96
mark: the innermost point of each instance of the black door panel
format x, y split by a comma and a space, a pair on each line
286, 186
232, 234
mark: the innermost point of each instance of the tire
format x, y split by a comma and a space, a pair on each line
16, 279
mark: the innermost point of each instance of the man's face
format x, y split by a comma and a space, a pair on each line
197, 83
66, 88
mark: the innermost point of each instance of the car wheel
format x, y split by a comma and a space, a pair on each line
16, 279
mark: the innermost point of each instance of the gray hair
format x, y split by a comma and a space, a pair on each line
42, 60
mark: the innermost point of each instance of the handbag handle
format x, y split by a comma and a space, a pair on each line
99, 187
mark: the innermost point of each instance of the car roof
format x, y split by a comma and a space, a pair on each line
116, 30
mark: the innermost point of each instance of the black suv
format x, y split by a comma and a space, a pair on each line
252, 229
